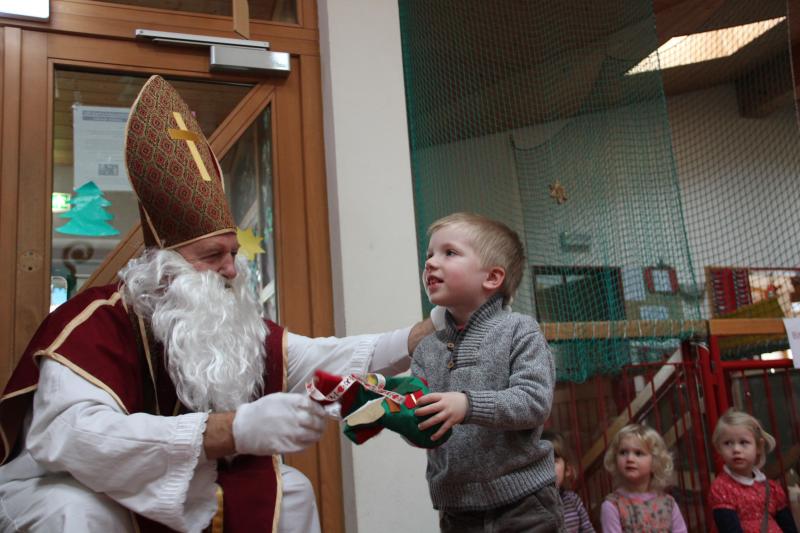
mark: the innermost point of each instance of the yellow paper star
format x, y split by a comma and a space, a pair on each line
558, 192
250, 243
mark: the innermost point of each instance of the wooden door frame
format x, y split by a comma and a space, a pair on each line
96, 18
301, 220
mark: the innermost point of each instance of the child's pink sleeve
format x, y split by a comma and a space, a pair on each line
609, 518
720, 498
678, 524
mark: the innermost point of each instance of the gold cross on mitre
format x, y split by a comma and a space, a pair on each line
191, 138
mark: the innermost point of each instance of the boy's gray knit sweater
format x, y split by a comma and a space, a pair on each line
502, 362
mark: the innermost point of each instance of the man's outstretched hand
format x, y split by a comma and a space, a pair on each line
277, 423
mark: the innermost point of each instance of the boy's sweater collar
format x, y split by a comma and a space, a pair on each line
490, 307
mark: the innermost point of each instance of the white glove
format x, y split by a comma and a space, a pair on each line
278, 423
437, 317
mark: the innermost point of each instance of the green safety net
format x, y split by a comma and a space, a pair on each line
652, 180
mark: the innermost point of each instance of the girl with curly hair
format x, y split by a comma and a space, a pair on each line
641, 466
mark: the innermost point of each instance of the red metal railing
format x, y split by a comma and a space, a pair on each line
664, 395
683, 400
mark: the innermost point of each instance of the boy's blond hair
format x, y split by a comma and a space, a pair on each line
495, 243
765, 442
661, 473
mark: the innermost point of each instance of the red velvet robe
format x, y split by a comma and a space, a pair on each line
96, 336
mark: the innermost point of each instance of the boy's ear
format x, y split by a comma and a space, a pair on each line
494, 278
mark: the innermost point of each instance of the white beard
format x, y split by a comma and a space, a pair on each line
211, 328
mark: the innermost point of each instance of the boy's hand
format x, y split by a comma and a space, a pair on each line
446, 408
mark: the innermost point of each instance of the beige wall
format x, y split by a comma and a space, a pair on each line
373, 240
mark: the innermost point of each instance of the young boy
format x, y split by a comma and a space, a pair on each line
491, 375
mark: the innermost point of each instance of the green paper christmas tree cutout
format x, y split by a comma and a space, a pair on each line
88, 215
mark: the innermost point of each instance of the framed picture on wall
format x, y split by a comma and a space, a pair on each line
661, 280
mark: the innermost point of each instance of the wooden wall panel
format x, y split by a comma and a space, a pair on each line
294, 294
139, 55
316, 198
290, 228
11, 54
307, 15
33, 282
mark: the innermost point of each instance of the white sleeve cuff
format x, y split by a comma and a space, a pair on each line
201, 497
185, 499
186, 449
391, 352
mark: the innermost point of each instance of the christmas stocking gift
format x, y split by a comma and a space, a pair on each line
372, 402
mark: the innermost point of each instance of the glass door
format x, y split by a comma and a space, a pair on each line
247, 168
64, 95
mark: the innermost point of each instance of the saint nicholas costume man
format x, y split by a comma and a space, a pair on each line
97, 430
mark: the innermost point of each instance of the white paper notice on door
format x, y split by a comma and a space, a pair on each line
98, 142
792, 326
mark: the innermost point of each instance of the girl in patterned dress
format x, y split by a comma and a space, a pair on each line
741, 493
641, 466
576, 519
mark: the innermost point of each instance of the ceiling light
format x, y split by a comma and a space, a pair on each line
25, 9
699, 47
